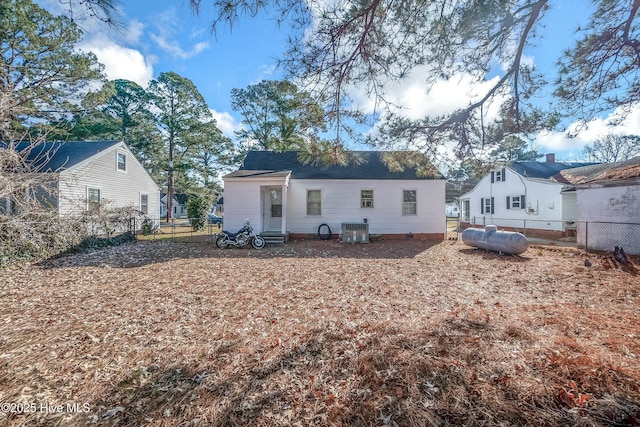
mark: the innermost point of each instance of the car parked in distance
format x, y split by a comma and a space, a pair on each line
214, 219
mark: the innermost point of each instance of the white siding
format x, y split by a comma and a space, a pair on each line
341, 203
543, 202
118, 188
242, 201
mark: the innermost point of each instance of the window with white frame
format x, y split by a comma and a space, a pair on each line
409, 202
466, 207
487, 205
314, 202
515, 202
93, 200
144, 203
366, 198
122, 162
499, 175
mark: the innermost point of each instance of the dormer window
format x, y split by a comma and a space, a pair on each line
122, 162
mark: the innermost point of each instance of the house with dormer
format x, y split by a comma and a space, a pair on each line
523, 196
86, 175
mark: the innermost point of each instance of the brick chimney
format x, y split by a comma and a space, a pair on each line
551, 158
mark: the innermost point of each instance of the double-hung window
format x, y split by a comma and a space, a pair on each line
409, 202
499, 175
314, 202
144, 203
487, 205
93, 200
121, 163
366, 198
515, 202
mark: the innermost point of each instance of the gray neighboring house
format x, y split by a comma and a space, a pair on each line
87, 174
608, 204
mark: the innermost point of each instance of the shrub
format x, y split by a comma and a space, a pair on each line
197, 209
147, 227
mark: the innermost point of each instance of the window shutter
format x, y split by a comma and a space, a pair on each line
508, 202
492, 205
492, 176
481, 206
522, 202
504, 174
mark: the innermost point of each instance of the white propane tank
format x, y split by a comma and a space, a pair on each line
490, 239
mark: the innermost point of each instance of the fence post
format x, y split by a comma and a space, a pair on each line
586, 237
524, 225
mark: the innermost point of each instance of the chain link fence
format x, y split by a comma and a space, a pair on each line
195, 230
605, 236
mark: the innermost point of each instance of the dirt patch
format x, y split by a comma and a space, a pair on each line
320, 333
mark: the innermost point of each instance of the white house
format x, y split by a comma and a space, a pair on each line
608, 204
277, 193
523, 196
86, 175
178, 206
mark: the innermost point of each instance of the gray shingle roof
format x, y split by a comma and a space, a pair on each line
543, 169
58, 156
371, 167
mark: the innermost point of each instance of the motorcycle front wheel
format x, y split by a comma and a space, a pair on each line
258, 242
221, 242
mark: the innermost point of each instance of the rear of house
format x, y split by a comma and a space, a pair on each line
279, 194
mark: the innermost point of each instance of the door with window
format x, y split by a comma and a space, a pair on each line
274, 209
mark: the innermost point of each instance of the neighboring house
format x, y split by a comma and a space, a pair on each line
218, 208
178, 206
279, 194
86, 175
523, 196
608, 204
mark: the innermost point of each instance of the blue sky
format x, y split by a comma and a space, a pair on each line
165, 35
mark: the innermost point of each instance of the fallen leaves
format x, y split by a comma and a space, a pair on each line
319, 333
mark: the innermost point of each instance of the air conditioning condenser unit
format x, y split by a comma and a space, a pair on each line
355, 232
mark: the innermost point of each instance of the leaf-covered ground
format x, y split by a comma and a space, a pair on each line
320, 333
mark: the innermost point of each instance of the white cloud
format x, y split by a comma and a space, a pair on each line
411, 98
120, 62
226, 123
166, 25
133, 32
173, 47
587, 134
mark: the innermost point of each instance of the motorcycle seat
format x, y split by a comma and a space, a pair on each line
232, 235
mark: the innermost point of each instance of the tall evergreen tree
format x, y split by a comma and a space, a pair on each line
277, 116
42, 72
187, 126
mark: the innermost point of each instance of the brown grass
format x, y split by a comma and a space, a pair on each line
321, 333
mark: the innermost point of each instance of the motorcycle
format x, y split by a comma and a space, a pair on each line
241, 238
